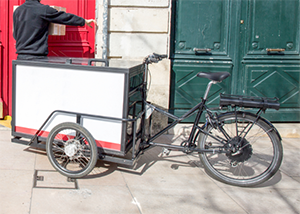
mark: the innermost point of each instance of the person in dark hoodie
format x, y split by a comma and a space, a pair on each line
31, 23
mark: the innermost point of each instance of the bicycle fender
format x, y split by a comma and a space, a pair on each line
254, 115
271, 125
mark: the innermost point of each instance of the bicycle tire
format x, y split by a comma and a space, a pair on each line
258, 159
71, 150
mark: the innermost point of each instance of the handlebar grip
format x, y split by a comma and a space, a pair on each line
154, 58
160, 56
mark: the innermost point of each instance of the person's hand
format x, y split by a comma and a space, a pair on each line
89, 21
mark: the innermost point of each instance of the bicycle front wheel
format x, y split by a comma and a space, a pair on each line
71, 150
252, 149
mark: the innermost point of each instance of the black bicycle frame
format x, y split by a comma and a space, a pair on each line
200, 107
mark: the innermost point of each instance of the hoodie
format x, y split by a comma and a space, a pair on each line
31, 22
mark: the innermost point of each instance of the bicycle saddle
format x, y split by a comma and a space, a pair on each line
217, 76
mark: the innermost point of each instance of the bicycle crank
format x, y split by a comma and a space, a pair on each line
188, 147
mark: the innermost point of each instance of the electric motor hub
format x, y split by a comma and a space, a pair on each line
240, 150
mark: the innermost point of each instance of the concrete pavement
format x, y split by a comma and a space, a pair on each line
158, 184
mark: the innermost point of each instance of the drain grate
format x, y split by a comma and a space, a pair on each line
51, 179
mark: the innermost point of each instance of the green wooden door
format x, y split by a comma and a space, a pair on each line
257, 41
269, 54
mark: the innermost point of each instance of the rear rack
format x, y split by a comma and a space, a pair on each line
249, 102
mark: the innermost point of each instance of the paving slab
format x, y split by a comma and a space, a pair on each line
266, 200
15, 191
291, 157
95, 199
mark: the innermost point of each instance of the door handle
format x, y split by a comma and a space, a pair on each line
202, 49
275, 49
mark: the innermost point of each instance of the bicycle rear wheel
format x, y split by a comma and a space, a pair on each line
253, 150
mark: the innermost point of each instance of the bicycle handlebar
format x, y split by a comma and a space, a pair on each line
154, 58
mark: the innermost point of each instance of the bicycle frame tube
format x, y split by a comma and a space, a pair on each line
196, 122
200, 106
208, 89
175, 122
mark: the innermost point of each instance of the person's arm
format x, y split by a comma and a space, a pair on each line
60, 17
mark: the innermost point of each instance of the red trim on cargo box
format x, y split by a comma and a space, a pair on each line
30, 131
99, 143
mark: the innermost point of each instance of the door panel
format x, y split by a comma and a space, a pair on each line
73, 6
7, 51
272, 25
78, 41
199, 25
186, 82
202, 24
282, 81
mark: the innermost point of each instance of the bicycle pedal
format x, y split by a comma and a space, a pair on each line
165, 151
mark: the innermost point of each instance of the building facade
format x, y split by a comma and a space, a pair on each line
259, 48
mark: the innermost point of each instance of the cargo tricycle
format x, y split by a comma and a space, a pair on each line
85, 110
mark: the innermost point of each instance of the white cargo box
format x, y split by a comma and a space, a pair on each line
42, 87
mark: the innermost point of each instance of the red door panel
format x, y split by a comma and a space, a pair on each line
7, 53
78, 41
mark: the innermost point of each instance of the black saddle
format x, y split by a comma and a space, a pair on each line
216, 76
